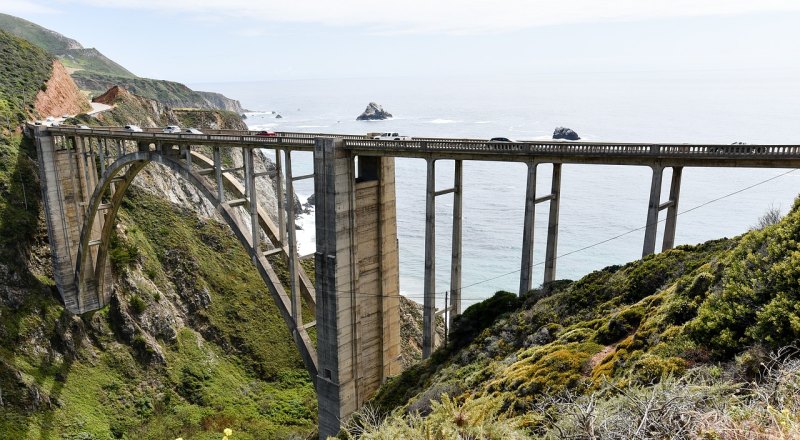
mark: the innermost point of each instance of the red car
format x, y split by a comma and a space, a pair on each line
266, 133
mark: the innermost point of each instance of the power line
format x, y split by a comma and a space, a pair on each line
587, 247
639, 228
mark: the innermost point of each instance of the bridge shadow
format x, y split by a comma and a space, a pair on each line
34, 362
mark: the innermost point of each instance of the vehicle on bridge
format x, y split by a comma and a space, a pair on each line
192, 131
390, 137
133, 128
501, 139
267, 133
171, 129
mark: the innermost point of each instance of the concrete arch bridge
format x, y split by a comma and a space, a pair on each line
85, 174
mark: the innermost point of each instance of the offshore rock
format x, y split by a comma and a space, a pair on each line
565, 133
374, 112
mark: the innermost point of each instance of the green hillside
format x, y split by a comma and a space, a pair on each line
24, 71
170, 93
69, 51
96, 73
190, 344
697, 333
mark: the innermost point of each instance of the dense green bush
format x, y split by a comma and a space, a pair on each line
759, 299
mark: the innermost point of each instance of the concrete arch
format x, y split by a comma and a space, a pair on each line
91, 267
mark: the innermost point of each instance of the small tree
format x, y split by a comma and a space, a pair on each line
771, 217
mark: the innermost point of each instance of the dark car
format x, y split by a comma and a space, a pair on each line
500, 139
267, 133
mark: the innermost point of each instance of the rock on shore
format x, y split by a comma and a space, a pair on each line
374, 112
565, 133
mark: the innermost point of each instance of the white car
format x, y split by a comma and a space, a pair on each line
133, 129
83, 127
171, 129
192, 131
391, 137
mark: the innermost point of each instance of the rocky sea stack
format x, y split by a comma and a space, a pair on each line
565, 133
374, 112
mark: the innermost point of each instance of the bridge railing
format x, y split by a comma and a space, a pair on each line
577, 148
305, 141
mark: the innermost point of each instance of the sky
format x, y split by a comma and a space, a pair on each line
201, 41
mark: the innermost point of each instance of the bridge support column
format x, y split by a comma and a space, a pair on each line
455, 262
672, 209
66, 176
429, 288
653, 207
552, 227
357, 280
281, 197
526, 269
218, 174
252, 203
289, 215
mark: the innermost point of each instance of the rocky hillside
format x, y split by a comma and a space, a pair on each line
60, 95
191, 343
95, 73
169, 93
214, 119
684, 344
69, 51
24, 72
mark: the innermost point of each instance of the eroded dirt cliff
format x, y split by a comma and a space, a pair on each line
60, 95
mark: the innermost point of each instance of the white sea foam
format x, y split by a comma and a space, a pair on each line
444, 121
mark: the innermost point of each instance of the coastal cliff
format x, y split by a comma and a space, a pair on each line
95, 73
60, 95
169, 93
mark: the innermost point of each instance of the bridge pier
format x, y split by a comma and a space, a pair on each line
291, 233
429, 287
455, 260
453, 308
551, 257
651, 227
672, 209
654, 207
357, 279
526, 269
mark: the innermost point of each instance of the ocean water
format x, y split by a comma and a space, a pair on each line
598, 202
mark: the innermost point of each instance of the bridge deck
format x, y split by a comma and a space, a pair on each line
703, 155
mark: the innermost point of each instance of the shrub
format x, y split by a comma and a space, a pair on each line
480, 316
137, 304
619, 325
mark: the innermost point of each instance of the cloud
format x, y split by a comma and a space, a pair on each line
446, 16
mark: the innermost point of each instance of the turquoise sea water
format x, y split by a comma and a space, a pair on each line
598, 202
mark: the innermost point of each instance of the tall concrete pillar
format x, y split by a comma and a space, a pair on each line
357, 281
429, 289
280, 196
672, 210
455, 261
651, 228
526, 269
292, 238
552, 227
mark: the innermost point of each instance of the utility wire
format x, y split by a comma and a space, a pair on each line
587, 247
